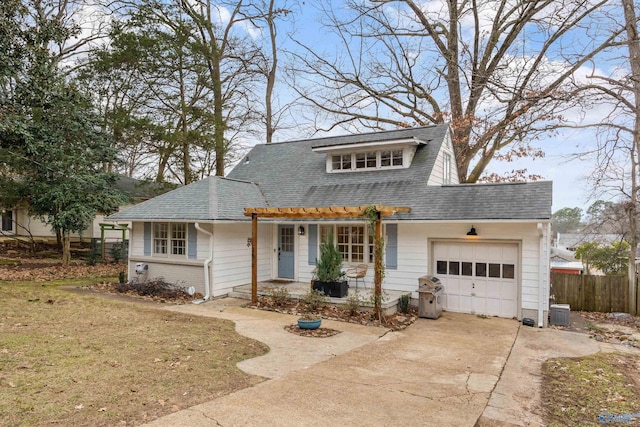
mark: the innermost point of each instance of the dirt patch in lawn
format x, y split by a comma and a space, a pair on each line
603, 388
69, 359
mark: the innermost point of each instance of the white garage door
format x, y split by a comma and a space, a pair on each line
478, 278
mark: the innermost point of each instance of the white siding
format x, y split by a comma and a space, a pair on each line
232, 256
136, 243
436, 176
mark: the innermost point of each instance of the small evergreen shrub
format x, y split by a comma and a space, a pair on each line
329, 266
404, 303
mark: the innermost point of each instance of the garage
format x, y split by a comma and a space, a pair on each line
478, 278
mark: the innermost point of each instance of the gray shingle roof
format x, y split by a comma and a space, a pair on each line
213, 198
286, 171
450, 202
290, 174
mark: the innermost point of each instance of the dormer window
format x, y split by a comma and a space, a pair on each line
368, 160
371, 155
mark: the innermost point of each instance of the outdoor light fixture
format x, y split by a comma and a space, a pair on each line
472, 232
249, 241
301, 230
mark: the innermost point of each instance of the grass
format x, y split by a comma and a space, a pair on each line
577, 391
68, 359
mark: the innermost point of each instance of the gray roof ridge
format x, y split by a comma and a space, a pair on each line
487, 184
363, 134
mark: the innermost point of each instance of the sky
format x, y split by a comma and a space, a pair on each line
569, 175
560, 165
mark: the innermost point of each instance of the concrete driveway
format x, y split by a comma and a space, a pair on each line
436, 372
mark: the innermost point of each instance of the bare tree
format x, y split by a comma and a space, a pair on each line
617, 153
221, 32
496, 70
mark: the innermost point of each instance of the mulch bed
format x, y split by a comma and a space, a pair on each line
315, 333
396, 322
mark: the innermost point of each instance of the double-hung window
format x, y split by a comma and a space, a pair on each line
350, 240
169, 239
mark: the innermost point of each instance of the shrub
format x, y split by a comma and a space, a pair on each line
155, 287
329, 266
118, 252
314, 300
279, 296
94, 256
353, 304
404, 303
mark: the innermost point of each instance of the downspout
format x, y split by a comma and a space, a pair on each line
541, 277
207, 263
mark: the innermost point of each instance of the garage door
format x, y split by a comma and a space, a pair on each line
478, 278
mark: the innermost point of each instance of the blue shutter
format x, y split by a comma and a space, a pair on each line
392, 247
147, 239
313, 243
192, 241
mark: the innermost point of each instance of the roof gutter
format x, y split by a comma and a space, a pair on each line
207, 264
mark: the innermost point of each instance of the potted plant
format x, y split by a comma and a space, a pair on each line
309, 321
330, 278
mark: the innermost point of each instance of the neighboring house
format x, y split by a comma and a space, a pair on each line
16, 221
571, 241
198, 235
563, 261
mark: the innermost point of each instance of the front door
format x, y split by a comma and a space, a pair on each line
285, 251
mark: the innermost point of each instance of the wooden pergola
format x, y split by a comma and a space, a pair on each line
330, 212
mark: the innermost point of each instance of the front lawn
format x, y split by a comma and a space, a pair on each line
603, 388
68, 359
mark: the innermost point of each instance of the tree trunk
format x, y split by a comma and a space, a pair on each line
66, 248
632, 209
271, 74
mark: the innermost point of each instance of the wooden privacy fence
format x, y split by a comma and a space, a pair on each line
591, 293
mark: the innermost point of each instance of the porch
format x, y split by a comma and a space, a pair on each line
297, 290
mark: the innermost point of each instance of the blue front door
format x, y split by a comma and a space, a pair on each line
285, 251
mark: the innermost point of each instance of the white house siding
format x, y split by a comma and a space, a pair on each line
232, 256
414, 256
305, 270
34, 226
437, 173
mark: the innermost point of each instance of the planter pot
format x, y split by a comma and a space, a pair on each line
309, 324
332, 289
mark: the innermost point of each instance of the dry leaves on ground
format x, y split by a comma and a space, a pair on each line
40, 270
365, 317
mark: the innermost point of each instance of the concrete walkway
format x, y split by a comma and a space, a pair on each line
437, 372
459, 370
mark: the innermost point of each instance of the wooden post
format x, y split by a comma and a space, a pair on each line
254, 258
377, 259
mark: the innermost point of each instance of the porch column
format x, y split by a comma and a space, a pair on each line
254, 258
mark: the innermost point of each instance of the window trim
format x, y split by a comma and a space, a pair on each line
393, 157
171, 239
368, 241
